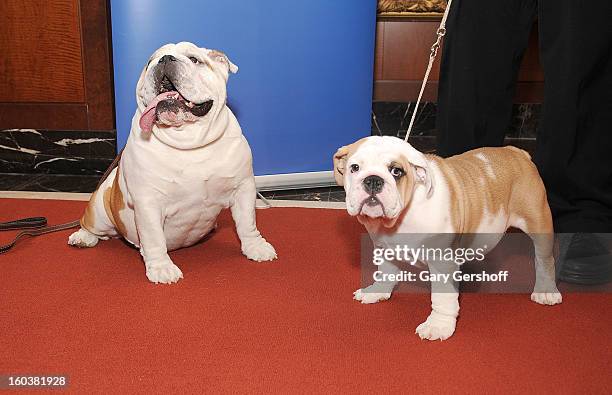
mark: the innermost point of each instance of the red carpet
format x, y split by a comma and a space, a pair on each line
287, 326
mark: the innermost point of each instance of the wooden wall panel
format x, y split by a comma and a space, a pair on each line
378, 53
96, 32
48, 116
41, 51
406, 50
402, 53
531, 69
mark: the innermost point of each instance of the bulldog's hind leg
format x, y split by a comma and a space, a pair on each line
545, 289
538, 225
83, 238
254, 246
95, 224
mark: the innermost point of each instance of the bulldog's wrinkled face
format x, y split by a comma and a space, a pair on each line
379, 175
181, 84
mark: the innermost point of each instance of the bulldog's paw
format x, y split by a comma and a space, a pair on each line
434, 329
371, 294
259, 250
547, 298
164, 272
82, 238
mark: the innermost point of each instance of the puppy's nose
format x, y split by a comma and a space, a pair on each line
373, 184
166, 59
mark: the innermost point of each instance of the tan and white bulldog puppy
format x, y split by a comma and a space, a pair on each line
392, 189
185, 160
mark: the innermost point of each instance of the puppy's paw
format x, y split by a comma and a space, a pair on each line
547, 298
259, 250
164, 272
82, 238
370, 295
434, 329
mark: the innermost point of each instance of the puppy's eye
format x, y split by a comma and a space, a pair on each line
396, 172
194, 60
354, 168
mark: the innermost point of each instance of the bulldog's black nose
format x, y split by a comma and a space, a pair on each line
373, 184
166, 59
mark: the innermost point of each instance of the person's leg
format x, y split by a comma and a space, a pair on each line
574, 144
482, 52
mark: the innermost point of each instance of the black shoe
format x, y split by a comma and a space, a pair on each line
584, 260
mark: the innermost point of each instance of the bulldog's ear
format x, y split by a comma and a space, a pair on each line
139, 84
424, 175
340, 158
219, 56
422, 171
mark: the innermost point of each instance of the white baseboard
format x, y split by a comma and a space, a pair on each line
295, 180
85, 197
264, 183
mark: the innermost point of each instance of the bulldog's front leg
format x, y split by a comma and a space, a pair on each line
444, 303
159, 266
254, 246
381, 289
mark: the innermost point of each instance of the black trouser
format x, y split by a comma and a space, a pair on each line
483, 49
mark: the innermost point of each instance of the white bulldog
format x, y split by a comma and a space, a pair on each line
185, 160
394, 189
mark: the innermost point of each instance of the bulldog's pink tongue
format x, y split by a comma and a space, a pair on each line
147, 119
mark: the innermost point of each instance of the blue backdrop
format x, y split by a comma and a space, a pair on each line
304, 87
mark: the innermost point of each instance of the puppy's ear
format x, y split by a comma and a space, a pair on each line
219, 56
405, 185
422, 171
424, 175
340, 158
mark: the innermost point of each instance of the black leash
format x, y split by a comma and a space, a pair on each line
32, 222
36, 226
